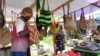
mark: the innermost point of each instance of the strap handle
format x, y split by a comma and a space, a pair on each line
38, 5
2, 5
63, 10
75, 16
43, 4
37, 10
92, 13
82, 11
68, 7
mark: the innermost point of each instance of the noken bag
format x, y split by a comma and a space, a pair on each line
92, 23
5, 36
34, 37
53, 27
2, 19
45, 15
69, 22
82, 21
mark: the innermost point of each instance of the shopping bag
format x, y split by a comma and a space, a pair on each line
92, 23
82, 24
34, 37
45, 15
5, 36
53, 27
2, 19
69, 23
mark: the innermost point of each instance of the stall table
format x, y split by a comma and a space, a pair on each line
87, 52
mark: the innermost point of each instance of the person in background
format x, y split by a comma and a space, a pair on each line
60, 40
20, 40
96, 35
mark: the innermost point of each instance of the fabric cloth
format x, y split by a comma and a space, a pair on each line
18, 54
72, 53
19, 43
19, 25
60, 39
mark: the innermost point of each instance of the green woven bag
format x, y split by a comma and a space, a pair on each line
45, 15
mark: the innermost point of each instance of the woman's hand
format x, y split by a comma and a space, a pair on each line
30, 29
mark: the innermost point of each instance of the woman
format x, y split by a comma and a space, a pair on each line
96, 35
60, 40
20, 40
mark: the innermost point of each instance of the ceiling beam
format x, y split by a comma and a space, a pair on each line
33, 5
95, 5
11, 22
61, 6
80, 8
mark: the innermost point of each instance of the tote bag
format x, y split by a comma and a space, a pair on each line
2, 19
69, 23
5, 36
34, 38
53, 27
92, 23
45, 15
82, 24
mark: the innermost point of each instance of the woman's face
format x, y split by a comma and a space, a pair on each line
27, 17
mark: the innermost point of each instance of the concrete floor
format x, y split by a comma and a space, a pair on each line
48, 50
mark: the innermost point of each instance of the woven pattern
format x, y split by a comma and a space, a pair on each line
5, 36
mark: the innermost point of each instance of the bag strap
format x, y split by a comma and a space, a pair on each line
64, 15
75, 16
38, 5
43, 4
37, 10
63, 10
82, 11
48, 5
68, 7
92, 13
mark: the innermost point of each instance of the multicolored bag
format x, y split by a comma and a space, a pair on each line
45, 15
34, 38
53, 27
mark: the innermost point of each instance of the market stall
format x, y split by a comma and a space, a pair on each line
58, 24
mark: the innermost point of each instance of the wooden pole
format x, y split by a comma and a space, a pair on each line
79, 9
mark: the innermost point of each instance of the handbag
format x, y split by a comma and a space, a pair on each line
2, 19
34, 38
53, 27
5, 36
69, 23
45, 15
82, 21
92, 23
